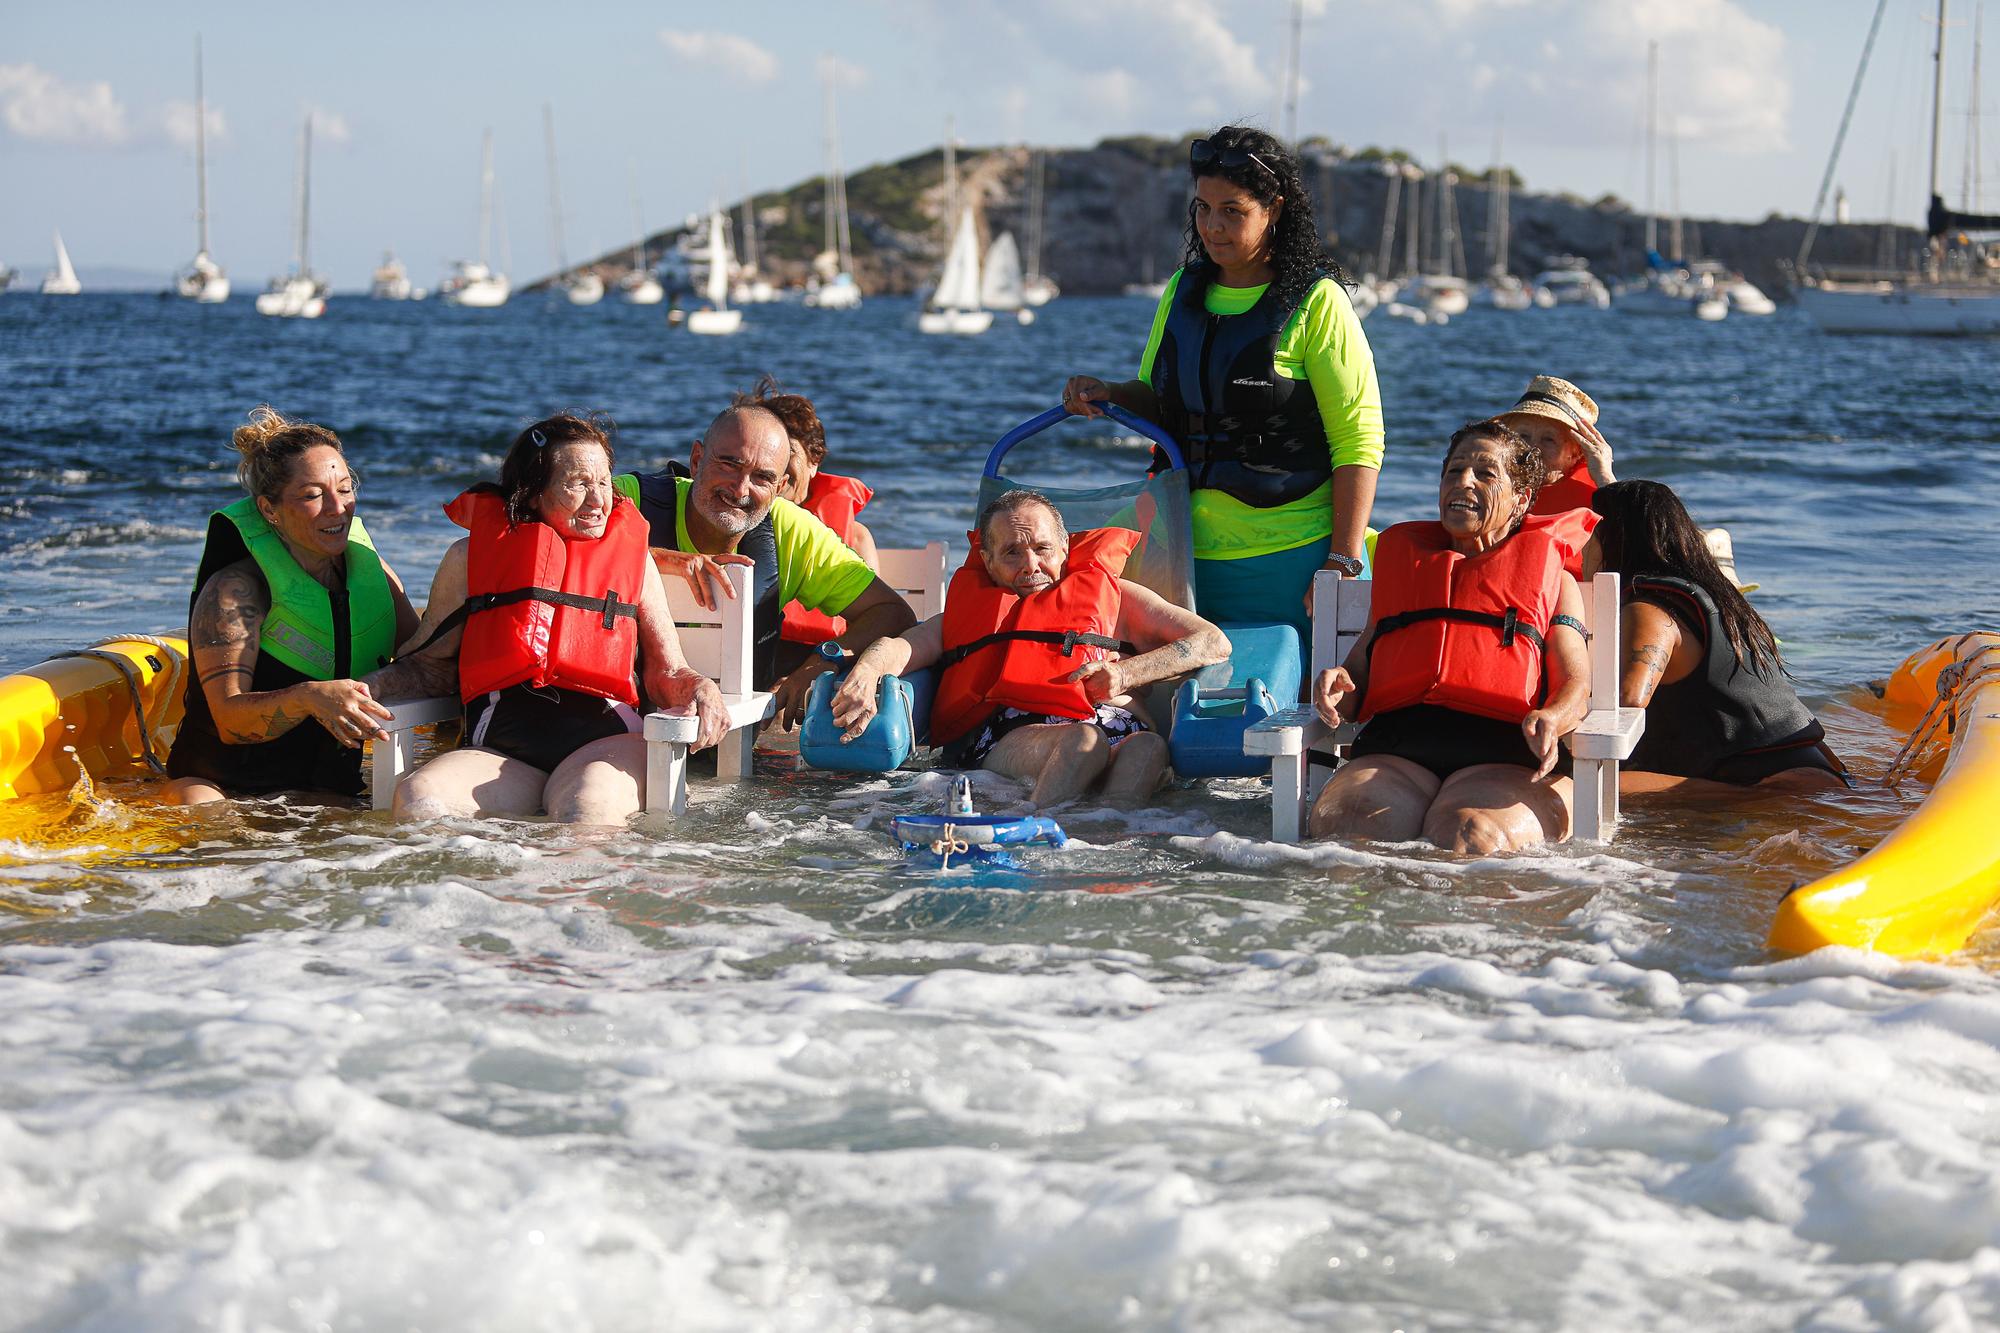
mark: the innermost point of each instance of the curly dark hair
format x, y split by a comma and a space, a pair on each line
1296, 252
525, 471
1523, 460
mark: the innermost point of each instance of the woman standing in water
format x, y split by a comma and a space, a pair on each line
1258, 367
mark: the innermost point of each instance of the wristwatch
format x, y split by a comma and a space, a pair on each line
1346, 564
831, 650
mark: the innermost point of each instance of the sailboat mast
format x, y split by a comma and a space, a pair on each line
950, 174
305, 191
485, 199
1292, 79
555, 190
638, 218
1937, 99
1036, 164
200, 153
826, 209
1652, 138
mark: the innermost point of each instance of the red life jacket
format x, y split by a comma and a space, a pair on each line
1463, 632
545, 610
834, 501
1571, 490
1005, 651
1571, 528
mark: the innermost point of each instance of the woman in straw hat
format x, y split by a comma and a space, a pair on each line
1561, 420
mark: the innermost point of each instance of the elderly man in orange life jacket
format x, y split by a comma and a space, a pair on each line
1043, 645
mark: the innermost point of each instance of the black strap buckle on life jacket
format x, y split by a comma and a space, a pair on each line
1510, 625
608, 604
1067, 641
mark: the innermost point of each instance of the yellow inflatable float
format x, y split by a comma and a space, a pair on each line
109, 710
1934, 879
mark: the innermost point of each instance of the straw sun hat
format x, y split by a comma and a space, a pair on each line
1558, 400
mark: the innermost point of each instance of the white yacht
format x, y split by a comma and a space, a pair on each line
717, 317
203, 279
833, 266
390, 281
61, 280
300, 294
1955, 291
639, 287
1569, 281
473, 283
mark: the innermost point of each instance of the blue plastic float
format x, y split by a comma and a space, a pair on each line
970, 836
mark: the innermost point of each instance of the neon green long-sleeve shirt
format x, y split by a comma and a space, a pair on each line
1322, 344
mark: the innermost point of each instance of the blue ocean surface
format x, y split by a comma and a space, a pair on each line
278, 1066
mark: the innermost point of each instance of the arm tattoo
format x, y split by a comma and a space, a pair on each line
1181, 649
276, 725
1653, 657
221, 671
230, 611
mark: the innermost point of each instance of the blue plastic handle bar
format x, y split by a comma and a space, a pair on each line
1036, 425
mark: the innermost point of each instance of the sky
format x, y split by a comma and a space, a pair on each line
689, 102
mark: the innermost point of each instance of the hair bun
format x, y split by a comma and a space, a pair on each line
255, 436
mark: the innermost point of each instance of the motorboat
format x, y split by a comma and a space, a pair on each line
390, 281
1569, 281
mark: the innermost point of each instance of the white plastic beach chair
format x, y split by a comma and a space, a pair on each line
1292, 738
716, 643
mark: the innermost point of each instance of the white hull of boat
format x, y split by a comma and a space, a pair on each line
390, 289
480, 293
714, 322
836, 295
1363, 299
295, 298
961, 322
55, 286
203, 281
1653, 301
1040, 291
584, 289
1747, 298
1893, 308
646, 291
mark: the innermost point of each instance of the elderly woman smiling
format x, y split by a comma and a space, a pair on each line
1471, 669
536, 620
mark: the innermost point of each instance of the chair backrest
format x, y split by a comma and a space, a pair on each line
1340, 615
1601, 618
917, 574
716, 643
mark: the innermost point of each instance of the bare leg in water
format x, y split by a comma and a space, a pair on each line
1064, 759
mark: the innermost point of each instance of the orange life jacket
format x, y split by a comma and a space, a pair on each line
545, 610
1005, 651
1459, 631
1571, 528
1571, 490
834, 501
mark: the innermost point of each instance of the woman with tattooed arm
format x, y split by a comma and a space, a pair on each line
291, 606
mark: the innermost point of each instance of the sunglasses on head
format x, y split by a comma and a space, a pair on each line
1205, 152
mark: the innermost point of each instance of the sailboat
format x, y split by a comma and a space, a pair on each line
834, 263
1001, 286
1441, 293
203, 279
751, 287
716, 317
7, 276
1502, 290
1672, 286
1038, 288
472, 283
390, 281
61, 280
583, 287
639, 287
955, 306
1952, 293
299, 294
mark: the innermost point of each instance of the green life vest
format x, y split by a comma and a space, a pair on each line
299, 629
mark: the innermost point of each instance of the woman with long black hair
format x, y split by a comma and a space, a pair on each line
1698, 657
1258, 367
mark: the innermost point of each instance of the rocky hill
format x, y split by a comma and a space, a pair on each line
1116, 214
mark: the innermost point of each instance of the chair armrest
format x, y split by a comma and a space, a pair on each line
420, 713
390, 760
1607, 733
1289, 731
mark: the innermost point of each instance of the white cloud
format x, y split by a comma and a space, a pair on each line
847, 75
737, 56
177, 121
36, 105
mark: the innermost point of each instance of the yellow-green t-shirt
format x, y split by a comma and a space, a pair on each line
815, 568
1322, 343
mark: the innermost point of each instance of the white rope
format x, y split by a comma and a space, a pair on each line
1954, 682
948, 845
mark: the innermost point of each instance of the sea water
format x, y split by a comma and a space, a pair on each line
277, 1067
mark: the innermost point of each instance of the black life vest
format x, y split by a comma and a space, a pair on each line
1723, 708
659, 501
1245, 429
